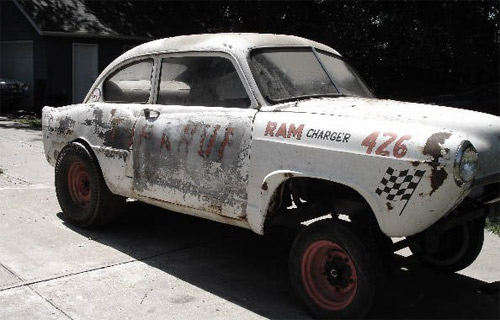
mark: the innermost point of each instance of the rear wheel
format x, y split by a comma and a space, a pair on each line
81, 191
332, 271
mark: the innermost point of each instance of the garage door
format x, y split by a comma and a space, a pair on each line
84, 69
17, 64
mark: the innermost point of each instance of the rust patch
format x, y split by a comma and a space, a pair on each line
437, 179
215, 207
66, 126
288, 175
264, 186
98, 113
389, 206
118, 136
415, 163
433, 147
114, 154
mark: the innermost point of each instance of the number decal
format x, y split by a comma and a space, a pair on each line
381, 150
399, 150
370, 141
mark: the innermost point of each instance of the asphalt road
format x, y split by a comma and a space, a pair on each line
154, 264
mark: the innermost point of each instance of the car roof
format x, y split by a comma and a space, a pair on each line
222, 42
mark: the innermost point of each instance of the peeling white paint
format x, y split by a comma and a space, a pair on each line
226, 164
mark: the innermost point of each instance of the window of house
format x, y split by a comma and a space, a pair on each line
131, 83
201, 81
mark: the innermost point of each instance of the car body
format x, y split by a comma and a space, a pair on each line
262, 130
12, 91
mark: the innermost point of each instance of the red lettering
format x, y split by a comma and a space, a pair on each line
271, 126
281, 131
187, 137
211, 141
295, 132
165, 142
370, 141
225, 141
381, 150
399, 150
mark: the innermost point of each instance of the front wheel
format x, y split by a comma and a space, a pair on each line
81, 191
332, 271
458, 247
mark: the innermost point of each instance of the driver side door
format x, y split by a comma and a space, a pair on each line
192, 149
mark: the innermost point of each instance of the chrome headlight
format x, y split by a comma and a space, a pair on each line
465, 163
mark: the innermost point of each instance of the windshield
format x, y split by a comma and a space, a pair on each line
284, 74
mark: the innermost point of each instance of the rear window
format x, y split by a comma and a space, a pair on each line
129, 84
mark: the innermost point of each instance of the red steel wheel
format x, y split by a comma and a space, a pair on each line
81, 190
332, 270
79, 184
329, 275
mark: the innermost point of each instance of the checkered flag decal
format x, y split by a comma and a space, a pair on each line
399, 185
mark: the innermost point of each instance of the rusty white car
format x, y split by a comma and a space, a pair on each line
269, 131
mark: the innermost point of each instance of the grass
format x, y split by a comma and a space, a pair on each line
34, 123
493, 226
493, 220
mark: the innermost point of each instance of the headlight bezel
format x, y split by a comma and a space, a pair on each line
465, 151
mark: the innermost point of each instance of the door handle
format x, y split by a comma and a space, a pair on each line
147, 113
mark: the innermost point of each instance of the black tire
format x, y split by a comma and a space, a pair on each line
332, 271
80, 188
458, 247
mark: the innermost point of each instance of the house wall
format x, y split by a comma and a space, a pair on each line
19, 42
58, 74
51, 82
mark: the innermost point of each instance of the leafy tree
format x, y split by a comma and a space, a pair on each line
408, 50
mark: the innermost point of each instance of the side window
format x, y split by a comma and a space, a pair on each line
131, 83
201, 81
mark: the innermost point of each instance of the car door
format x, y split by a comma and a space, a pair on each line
107, 118
192, 148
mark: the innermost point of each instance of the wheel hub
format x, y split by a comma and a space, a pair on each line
79, 184
338, 272
329, 275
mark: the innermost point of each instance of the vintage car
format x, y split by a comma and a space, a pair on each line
12, 92
275, 132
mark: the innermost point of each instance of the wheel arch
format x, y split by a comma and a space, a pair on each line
345, 198
86, 144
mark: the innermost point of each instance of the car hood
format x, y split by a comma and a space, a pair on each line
481, 129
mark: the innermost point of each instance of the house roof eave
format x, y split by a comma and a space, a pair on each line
27, 16
92, 36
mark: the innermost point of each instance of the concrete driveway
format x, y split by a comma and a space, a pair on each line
154, 264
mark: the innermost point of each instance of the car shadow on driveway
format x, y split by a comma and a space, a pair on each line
252, 271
